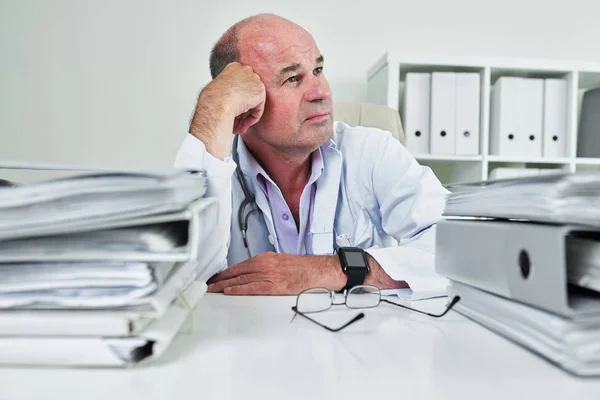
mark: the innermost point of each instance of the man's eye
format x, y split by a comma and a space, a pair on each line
318, 70
292, 79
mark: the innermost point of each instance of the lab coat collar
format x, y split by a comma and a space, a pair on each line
252, 169
326, 199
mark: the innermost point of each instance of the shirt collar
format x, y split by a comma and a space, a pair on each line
249, 163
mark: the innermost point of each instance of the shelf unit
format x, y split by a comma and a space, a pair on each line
386, 86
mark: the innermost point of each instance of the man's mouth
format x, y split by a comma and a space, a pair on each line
318, 117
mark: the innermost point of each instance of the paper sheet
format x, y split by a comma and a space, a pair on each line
409, 295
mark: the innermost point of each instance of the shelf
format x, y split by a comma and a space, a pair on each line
447, 157
527, 73
538, 160
408, 68
587, 161
588, 80
386, 85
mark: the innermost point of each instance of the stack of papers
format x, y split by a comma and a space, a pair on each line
72, 203
559, 198
526, 252
573, 344
101, 268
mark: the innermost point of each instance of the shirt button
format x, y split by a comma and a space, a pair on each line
271, 240
285, 217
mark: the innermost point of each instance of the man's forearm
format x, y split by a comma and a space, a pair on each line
213, 125
285, 274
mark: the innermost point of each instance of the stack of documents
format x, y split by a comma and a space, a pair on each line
509, 172
100, 269
571, 343
555, 198
524, 256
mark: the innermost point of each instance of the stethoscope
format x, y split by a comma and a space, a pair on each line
248, 197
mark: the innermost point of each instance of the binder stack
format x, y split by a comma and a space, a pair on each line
441, 113
102, 269
529, 117
524, 256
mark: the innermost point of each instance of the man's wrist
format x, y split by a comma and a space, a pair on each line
337, 277
213, 125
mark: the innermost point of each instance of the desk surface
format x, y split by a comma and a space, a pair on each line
246, 348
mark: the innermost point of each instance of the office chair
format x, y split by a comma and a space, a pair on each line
370, 115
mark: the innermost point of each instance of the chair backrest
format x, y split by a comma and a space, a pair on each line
371, 115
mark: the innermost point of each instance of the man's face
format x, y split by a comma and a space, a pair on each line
298, 109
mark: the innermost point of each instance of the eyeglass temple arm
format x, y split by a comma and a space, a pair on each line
448, 308
358, 317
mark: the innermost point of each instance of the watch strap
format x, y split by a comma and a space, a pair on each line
356, 276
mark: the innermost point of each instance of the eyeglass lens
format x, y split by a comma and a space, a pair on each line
314, 300
363, 297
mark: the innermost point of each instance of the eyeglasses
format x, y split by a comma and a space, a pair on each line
316, 300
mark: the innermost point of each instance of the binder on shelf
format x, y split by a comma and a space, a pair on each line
443, 115
525, 262
507, 172
417, 97
505, 117
467, 113
554, 138
588, 136
532, 118
551, 171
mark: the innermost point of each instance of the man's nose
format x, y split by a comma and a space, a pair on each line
318, 90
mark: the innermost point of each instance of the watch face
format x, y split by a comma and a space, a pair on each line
354, 259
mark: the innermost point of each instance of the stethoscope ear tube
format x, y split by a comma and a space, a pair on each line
248, 197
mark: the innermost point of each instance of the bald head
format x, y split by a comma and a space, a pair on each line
247, 33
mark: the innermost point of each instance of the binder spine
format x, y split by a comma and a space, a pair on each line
521, 261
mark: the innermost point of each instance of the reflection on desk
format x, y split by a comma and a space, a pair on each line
246, 347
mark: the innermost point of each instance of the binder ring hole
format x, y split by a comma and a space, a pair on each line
418, 133
467, 134
531, 137
555, 138
443, 133
524, 264
511, 136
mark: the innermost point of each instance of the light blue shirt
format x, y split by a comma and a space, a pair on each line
291, 239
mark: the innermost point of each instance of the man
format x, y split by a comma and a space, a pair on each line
318, 186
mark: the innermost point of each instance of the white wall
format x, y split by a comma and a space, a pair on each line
114, 82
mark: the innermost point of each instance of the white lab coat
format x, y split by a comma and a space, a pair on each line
372, 194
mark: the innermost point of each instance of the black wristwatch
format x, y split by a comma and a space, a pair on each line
354, 264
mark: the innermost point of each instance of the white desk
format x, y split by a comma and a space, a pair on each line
246, 348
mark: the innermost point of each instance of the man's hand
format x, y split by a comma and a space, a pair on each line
279, 274
231, 103
379, 278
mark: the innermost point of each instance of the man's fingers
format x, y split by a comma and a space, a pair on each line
244, 122
247, 119
233, 271
220, 286
253, 288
